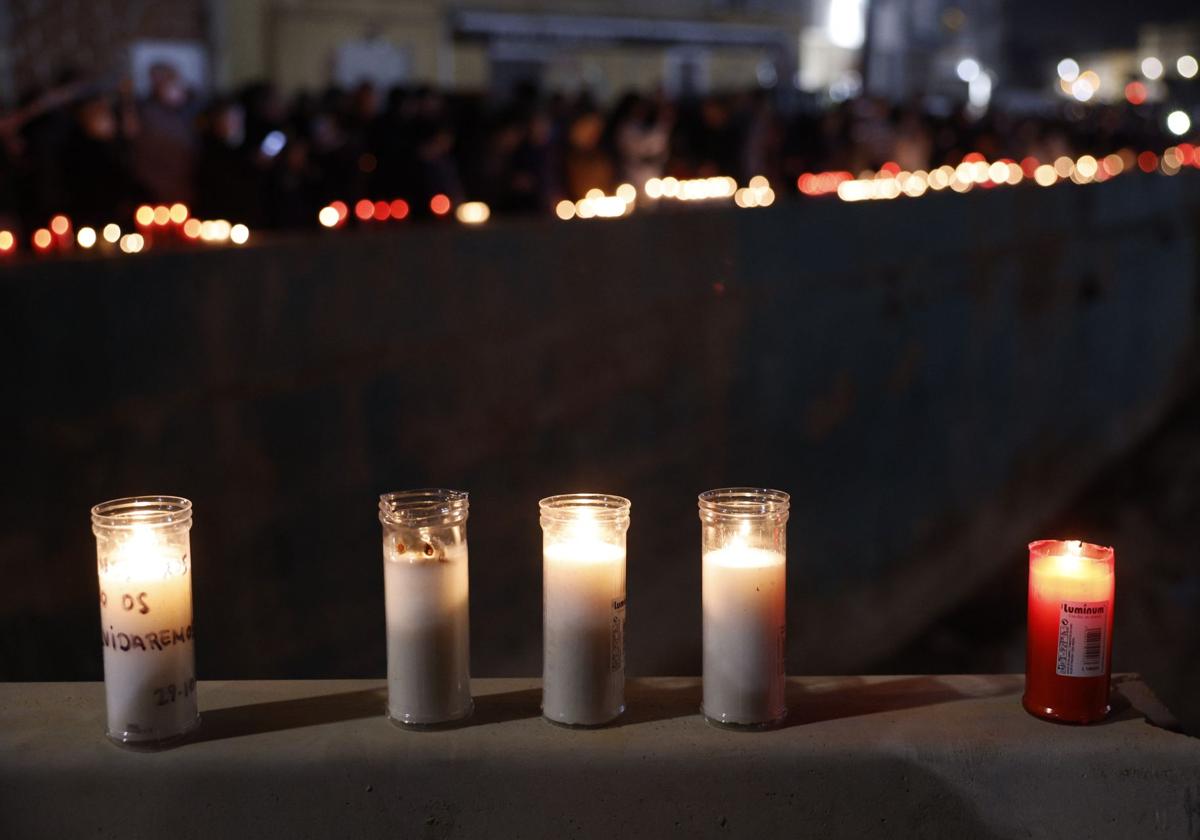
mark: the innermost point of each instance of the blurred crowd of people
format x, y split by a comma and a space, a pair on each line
96, 152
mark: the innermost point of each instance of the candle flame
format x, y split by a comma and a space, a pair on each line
143, 555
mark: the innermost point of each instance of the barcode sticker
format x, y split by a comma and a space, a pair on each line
1082, 627
617, 642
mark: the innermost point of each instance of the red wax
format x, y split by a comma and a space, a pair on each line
1068, 649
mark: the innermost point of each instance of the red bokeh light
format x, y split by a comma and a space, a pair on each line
440, 204
891, 167
60, 224
1029, 166
1135, 92
1147, 161
1187, 153
342, 210
364, 209
382, 212
972, 157
399, 208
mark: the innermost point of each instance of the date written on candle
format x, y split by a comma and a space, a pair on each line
168, 693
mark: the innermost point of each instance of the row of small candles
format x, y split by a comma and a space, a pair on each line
144, 563
890, 181
152, 223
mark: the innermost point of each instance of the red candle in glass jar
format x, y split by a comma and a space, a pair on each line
1068, 649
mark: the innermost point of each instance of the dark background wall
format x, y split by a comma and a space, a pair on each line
932, 380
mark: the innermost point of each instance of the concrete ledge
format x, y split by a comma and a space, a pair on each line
951, 756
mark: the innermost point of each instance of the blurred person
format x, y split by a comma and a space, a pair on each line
295, 185
99, 184
165, 143
587, 165
228, 184
912, 144
642, 136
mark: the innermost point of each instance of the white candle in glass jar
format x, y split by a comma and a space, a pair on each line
744, 602
146, 630
426, 592
583, 673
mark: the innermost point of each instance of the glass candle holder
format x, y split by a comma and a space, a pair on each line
425, 583
143, 558
1068, 646
744, 595
583, 607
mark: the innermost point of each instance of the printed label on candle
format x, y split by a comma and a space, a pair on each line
617, 649
1081, 626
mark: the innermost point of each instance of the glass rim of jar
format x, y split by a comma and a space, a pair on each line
1085, 550
141, 511
601, 507
744, 503
424, 506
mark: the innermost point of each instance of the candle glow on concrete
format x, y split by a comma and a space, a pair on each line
583, 563
425, 578
744, 596
1068, 653
144, 565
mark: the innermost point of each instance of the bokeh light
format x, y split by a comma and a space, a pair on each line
86, 237
1179, 123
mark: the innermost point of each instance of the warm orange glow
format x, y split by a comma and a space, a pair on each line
131, 243
144, 215
474, 212
1113, 164
191, 228
364, 209
42, 239
178, 213
399, 208
565, 210
162, 214
7, 240
382, 211
440, 204
60, 224
1045, 176
1064, 166
328, 217
341, 209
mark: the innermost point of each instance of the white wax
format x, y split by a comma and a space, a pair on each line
744, 597
428, 634
149, 652
583, 673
